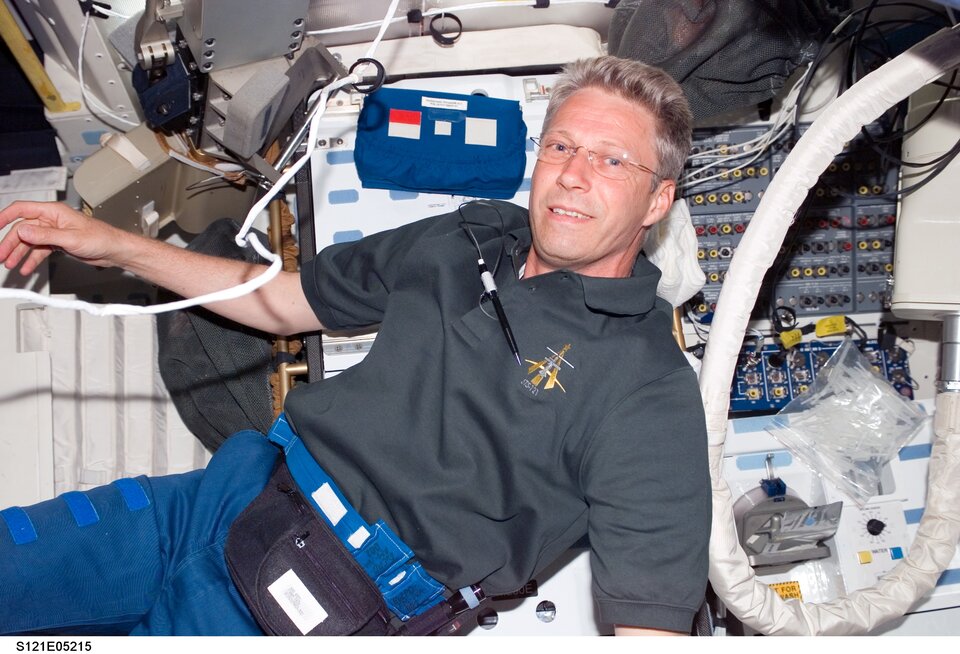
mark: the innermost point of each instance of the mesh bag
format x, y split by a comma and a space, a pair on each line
725, 54
217, 372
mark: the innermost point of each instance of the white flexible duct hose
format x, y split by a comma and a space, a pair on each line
732, 576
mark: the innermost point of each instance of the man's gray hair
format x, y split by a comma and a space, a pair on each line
647, 86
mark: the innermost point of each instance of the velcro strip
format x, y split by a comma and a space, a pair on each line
359, 537
133, 493
19, 524
84, 513
331, 506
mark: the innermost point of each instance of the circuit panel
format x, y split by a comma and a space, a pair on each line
837, 257
767, 377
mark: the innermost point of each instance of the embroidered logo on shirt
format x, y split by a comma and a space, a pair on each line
547, 370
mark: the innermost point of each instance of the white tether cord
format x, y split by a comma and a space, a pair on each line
730, 573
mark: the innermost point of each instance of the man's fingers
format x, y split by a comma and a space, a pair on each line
27, 210
35, 259
29, 239
35, 234
7, 245
8, 214
19, 252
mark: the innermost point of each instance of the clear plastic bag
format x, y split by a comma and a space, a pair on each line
849, 424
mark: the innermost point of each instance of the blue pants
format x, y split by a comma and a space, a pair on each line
140, 556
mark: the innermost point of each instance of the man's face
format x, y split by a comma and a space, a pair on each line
583, 221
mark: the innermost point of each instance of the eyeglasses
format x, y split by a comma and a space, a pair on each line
612, 164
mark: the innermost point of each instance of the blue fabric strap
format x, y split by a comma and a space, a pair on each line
133, 494
18, 522
406, 587
84, 513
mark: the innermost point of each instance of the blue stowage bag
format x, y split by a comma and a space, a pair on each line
441, 143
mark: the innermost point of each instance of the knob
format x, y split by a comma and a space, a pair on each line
875, 527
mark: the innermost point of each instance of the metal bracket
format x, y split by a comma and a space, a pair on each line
154, 48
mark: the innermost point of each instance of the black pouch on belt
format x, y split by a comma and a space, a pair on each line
295, 575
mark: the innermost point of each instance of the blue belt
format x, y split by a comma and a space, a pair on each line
406, 587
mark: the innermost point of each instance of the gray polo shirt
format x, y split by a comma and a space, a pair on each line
490, 470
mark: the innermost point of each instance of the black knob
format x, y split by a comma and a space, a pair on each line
875, 527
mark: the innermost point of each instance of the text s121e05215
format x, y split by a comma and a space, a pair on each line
54, 645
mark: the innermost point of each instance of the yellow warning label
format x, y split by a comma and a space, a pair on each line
788, 590
790, 338
831, 326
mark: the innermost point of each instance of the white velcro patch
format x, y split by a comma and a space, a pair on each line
329, 503
480, 131
359, 537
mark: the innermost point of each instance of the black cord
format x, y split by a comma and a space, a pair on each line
926, 119
835, 40
855, 45
897, 135
854, 327
854, 58
940, 101
784, 319
892, 136
904, 192
465, 225
818, 59
487, 279
784, 258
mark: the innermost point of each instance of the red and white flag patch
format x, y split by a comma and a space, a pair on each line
404, 124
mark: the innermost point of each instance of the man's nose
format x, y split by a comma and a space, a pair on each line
577, 169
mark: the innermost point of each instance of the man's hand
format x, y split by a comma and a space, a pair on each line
47, 226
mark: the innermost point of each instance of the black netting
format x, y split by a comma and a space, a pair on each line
726, 54
217, 372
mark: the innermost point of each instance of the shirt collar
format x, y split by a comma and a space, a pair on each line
626, 296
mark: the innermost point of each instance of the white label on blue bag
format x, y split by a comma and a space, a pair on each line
481, 131
443, 103
442, 128
297, 602
329, 503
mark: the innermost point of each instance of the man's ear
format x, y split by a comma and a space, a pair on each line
661, 203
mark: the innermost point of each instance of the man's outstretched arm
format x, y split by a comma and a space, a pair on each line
279, 307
